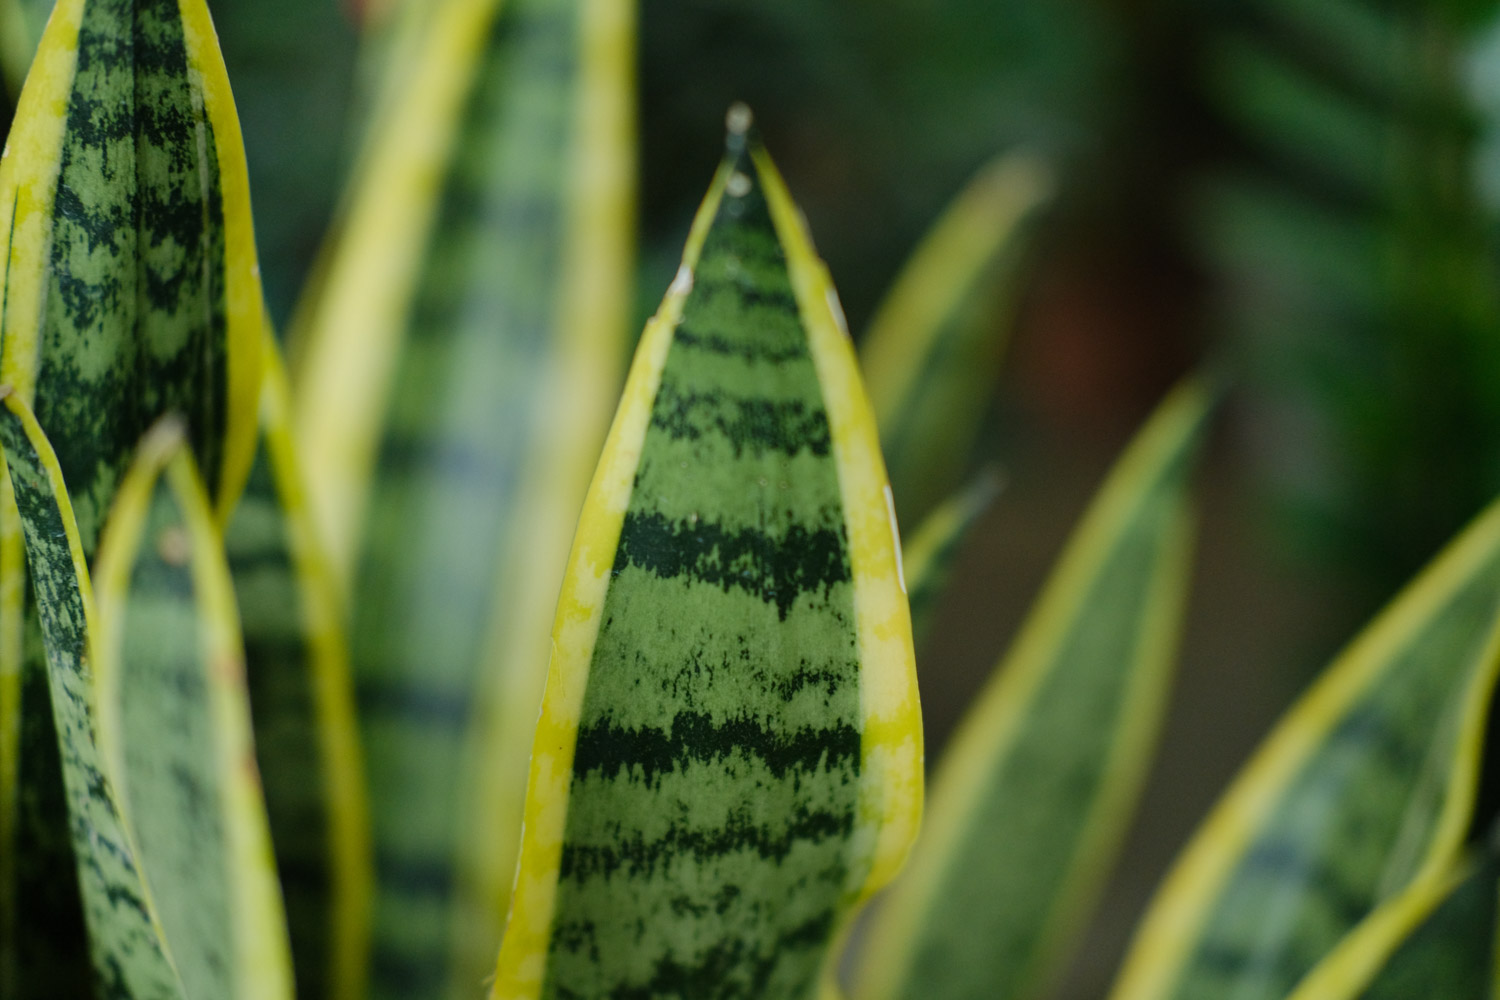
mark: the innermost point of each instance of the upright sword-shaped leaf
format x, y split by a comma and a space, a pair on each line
729, 754
1367, 786
452, 399
1039, 784
174, 725
934, 347
129, 290
301, 691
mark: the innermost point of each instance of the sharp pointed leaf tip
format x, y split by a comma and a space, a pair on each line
739, 130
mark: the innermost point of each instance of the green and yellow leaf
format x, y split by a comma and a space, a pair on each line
453, 396
301, 694
928, 559
1034, 794
1435, 939
128, 289
933, 350
1366, 787
174, 726
128, 954
729, 755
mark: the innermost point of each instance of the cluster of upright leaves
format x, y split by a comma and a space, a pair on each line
136, 841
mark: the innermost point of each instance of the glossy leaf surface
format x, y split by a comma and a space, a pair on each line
453, 397
174, 724
301, 693
934, 347
729, 754
1035, 792
1365, 787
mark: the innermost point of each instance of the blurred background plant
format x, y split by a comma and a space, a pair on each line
1305, 190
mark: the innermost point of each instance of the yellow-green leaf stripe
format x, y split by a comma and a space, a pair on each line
125, 939
932, 351
301, 694
1034, 794
729, 753
174, 722
1365, 787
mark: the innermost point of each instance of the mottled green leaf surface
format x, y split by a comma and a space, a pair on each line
728, 755
126, 951
300, 689
1365, 787
933, 350
1436, 939
503, 354
1037, 787
174, 723
129, 290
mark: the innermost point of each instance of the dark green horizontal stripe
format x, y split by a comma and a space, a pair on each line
729, 970
413, 876
776, 570
756, 425
775, 299
406, 455
746, 350
413, 703
696, 738
640, 858
1301, 864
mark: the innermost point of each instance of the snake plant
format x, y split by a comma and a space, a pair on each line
342, 677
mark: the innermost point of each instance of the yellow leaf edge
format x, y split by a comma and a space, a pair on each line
260, 941
992, 725
1169, 930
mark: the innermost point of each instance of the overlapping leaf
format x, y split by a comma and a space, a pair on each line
729, 753
1365, 788
301, 692
1036, 789
452, 396
129, 290
1436, 938
173, 722
933, 350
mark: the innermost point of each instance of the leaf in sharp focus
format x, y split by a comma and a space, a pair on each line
1034, 795
729, 754
1436, 938
127, 952
174, 726
130, 285
928, 559
933, 349
301, 696
479, 424
1366, 786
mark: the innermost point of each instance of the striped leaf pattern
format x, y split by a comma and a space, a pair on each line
129, 290
174, 724
128, 957
297, 666
1367, 786
1436, 938
729, 753
1035, 792
932, 351
504, 350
